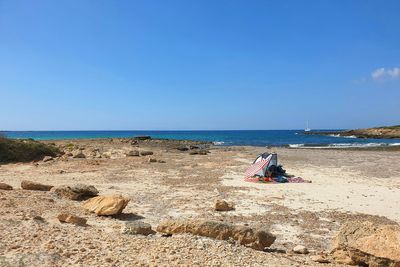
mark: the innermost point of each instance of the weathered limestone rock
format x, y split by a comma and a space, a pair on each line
137, 228
106, 205
79, 155
76, 192
69, 218
300, 249
253, 238
146, 153
133, 153
152, 160
223, 205
364, 243
47, 158
4, 186
29, 185
319, 258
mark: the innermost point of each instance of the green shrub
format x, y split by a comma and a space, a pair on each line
24, 150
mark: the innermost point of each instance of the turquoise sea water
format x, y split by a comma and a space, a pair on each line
292, 138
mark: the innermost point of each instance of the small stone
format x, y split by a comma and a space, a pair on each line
300, 249
4, 186
47, 158
137, 228
79, 155
223, 205
199, 152
133, 153
151, 160
161, 161
319, 258
69, 218
146, 153
29, 185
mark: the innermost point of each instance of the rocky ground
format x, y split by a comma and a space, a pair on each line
182, 180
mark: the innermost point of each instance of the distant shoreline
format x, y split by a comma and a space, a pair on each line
386, 132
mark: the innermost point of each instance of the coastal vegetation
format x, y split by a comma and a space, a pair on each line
24, 150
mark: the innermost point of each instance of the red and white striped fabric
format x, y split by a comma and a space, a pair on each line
257, 167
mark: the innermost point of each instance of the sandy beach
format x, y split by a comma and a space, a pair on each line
346, 185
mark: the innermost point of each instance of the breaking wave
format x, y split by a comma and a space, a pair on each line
343, 145
338, 135
218, 143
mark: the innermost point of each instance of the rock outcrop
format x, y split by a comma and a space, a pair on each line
367, 244
254, 238
69, 218
106, 205
29, 185
223, 205
4, 186
137, 228
76, 192
387, 132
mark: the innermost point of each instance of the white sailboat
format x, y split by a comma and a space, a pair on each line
307, 129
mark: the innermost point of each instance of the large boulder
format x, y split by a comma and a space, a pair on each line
29, 185
76, 192
106, 205
137, 228
253, 238
223, 205
4, 186
367, 244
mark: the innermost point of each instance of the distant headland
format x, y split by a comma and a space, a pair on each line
387, 132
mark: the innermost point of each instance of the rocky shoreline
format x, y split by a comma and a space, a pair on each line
389, 132
138, 201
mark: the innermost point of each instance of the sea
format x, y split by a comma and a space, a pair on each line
282, 138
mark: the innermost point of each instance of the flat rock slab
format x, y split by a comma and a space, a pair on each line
254, 238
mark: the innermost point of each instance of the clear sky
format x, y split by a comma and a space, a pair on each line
197, 64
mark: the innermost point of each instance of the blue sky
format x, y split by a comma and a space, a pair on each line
92, 65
